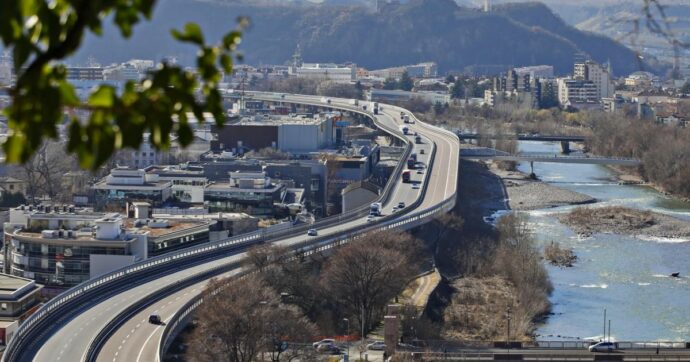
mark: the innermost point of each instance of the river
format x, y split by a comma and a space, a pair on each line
627, 276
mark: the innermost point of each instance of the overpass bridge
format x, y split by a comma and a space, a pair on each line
563, 139
105, 318
532, 157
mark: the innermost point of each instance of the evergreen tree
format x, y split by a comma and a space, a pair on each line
360, 90
458, 91
686, 88
406, 82
390, 84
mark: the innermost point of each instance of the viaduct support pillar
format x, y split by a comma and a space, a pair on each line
565, 147
532, 175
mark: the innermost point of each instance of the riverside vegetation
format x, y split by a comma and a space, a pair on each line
558, 256
499, 274
301, 298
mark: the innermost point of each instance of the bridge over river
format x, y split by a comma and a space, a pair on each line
563, 139
531, 157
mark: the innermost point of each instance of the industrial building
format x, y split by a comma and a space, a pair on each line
287, 134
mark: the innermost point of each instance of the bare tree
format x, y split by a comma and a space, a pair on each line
237, 326
43, 172
366, 274
338, 90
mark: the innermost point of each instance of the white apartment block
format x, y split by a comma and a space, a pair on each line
576, 91
325, 71
597, 74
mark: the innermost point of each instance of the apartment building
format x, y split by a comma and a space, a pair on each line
598, 75
577, 92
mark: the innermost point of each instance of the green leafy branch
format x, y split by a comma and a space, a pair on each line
41, 33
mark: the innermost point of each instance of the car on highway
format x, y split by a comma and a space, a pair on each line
420, 172
324, 342
416, 186
401, 205
155, 319
312, 232
602, 347
376, 346
371, 218
421, 152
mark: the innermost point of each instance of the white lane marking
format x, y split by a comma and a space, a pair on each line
146, 342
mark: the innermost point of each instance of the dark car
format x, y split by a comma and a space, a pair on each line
155, 319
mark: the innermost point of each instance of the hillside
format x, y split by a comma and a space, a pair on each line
420, 30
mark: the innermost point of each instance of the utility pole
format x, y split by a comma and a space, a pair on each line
609, 338
604, 336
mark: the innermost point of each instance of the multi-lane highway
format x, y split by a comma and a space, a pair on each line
137, 340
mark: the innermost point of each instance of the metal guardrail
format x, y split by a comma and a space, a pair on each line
36, 325
393, 221
554, 357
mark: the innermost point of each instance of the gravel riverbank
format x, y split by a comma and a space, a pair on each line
625, 221
527, 194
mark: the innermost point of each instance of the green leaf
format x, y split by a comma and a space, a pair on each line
102, 97
69, 96
191, 34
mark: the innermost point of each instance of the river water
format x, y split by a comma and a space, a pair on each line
628, 276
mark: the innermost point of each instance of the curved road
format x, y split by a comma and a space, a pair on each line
137, 340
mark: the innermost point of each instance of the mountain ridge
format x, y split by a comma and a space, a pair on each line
457, 38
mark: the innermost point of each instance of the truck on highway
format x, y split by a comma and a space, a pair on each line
406, 118
406, 176
418, 139
375, 209
411, 163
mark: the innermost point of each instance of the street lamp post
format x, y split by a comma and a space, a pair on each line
348, 338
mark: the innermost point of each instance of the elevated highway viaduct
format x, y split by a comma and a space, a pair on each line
106, 318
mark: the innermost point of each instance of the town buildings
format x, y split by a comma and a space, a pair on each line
61, 245
125, 185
